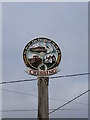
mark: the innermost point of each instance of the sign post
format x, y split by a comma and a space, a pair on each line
42, 57
43, 97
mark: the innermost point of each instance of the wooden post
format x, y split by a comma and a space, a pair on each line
43, 97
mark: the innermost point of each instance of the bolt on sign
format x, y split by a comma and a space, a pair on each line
42, 57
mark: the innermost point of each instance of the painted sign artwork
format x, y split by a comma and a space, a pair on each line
42, 56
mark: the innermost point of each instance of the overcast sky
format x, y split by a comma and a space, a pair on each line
67, 25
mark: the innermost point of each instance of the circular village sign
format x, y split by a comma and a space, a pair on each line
42, 57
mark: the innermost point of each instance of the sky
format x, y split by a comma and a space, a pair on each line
67, 25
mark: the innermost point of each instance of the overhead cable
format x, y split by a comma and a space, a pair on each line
18, 81
69, 101
22, 93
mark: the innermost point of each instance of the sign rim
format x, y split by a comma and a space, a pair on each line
41, 39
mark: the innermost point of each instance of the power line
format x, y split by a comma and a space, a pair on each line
12, 91
18, 81
71, 75
37, 96
18, 110
28, 110
80, 103
70, 101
